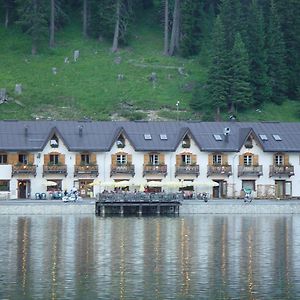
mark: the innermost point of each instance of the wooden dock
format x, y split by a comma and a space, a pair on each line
138, 204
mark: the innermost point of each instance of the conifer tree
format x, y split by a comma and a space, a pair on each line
257, 54
240, 91
217, 78
276, 57
34, 20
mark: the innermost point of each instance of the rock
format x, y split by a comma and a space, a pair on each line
66, 60
3, 96
153, 77
120, 76
76, 55
118, 60
54, 71
18, 89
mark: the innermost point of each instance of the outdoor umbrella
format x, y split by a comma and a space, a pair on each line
50, 183
153, 183
96, 182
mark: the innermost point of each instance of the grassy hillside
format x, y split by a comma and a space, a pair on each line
90, 87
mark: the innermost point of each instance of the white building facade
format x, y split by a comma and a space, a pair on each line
40, 157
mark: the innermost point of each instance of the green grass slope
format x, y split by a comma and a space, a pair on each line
90, 87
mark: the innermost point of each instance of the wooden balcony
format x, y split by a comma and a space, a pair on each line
23, 169
250, 170
55, 169
278, 171
86, 170
122, 169
155, 170
225, 170
187, 170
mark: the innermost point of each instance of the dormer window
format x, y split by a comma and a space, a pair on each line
186, 143
54, 141
23, 159
120, 142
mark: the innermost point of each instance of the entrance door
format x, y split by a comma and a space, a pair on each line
220, 191
85, 189
280, 188
23, 189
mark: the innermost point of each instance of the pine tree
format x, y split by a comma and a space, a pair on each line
217, 78
34, 20
277, 71
257, 55
192, 16
241, 95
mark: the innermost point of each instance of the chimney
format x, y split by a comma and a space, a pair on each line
80, 128
226, 133
26, 130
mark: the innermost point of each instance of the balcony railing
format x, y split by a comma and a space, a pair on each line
276, 171
250, 170
187, 170
55, 169
155, 170
24, 169
89, 170
225, 170
122, 169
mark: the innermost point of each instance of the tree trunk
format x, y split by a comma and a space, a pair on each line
85, 13
174, 43
6, 17
166, 35
52, 23
117, 28
34, 36
218, 114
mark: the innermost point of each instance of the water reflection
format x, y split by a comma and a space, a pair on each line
202, 257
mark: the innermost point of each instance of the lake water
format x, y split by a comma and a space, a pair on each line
185, 257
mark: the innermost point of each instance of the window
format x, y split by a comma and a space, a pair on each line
263, 137
217, 137
154, 160
186, 159
163, 136
247, 160
217, 159
121, 159
121, 142
4, 185
54, 141
278, 159
23, 159
248, 184
85, 159
54, 159
277, 137
147, 136
3, 159
186, 143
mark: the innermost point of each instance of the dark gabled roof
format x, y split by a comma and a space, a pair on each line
100, 136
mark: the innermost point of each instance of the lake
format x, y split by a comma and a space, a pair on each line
185, 257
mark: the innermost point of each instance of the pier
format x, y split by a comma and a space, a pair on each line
138, 204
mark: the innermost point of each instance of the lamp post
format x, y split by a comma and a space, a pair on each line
177, 109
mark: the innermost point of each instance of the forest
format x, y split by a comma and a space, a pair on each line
247, 51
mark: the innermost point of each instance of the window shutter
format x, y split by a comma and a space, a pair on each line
225, 159
30, 158
62, 159
255, 160
13, 158
46, 159
93, 158
178, 160
161, 159
78, 159
286, 159
194, 158
146, 159
113, 159
129, 158
241, 160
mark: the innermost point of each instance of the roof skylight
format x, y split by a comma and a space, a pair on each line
217, 137
163, 136
277, 137
263, 137
147, 136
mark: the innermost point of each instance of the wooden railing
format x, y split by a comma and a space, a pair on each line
55, 169
24, 169
187, 170
281, 171
155, 170
250, 170
122, 169
219, 170
91, 170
